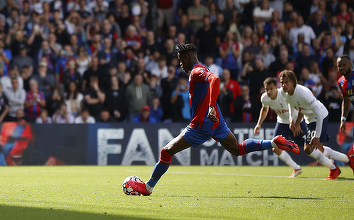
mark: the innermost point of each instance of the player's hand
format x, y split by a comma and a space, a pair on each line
212, 114
256, 129
315, 142
292, 126
343, 128
297, 130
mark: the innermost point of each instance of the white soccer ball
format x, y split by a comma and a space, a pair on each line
127, 189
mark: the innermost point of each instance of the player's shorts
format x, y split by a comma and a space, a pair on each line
312, 130
196, 137
284, 130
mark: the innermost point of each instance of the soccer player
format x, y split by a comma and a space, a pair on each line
316, 117
346, 85
207, 121
273, 99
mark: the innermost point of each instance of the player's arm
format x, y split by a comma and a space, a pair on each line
345, 111
214, 87
298, 129
262, 115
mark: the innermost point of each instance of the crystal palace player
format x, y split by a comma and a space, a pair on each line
316, 117
346, 84
207, 121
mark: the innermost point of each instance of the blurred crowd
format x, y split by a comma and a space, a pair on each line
88, 61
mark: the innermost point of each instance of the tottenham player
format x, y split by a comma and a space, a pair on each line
316, 118
346, 85
207, 121
273, 99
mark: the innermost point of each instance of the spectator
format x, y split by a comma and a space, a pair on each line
150, 45
323, 43
196, 13
106, 56
4, 105
169, 50
180, 102
250, 52
145, 116
160, 71
344, 14
165, 12
155, 90
49, 54
247, 14
304, 59
71, 75
44, 118
306, 81
115, 100
54, 100
279, 65
35, 101
319, 25
207, 38
230, 52
140, 27
124, 19
246, 107
105, 117
220, 25
332, 99
94, 97
168, 84
137, 95
73, 100
329, 62
140, 69
246, 36
232, 85
25, 75
107, 31
94, 70
23, 60
225, 101
263, 13
61, 116
85, 118
132, 38
6, 80
16, 99
255, 76
214, 68
156, 110
100, 10
267, 57
301, 28
45, 82
83, 61
183, 26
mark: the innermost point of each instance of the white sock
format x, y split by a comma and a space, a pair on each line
335, 155
149, 188
273, 144
318, 155
285, 157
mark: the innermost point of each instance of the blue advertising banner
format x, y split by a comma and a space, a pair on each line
135, 144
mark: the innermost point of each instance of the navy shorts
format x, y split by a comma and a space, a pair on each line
284, 130
196, 137
312, 129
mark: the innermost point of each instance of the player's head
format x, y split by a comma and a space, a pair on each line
270, 87
344, 65
287, 80
187, 55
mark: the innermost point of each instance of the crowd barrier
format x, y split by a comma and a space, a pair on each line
136, 144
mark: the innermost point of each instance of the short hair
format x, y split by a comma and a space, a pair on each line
345, 56
289, 74
186, 48
269, 81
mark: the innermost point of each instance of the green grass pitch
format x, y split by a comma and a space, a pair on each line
184, 192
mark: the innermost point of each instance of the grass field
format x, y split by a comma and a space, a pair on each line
195, 192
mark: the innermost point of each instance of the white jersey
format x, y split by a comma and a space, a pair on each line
304, 101
279, 105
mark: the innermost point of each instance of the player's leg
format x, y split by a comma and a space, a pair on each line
174, 146
316, 153
283, 129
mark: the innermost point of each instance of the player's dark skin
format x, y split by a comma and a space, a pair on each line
187, 60
344, 66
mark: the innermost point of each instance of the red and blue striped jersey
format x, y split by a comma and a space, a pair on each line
346, 87
204, 87
34, 111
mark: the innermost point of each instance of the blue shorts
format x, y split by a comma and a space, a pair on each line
196, 137
312, 129
284, 130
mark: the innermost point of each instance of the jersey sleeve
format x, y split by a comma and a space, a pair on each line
308, 97
264, 101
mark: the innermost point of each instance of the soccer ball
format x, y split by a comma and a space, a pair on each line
127, 189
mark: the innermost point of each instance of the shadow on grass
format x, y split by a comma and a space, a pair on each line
30, 213
254, 197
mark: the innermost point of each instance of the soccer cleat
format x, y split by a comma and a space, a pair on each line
351, 162
139, 187
333, 174
295, 173
284, 144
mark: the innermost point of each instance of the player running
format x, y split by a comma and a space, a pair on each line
316, 117
346, 84
207, 121
273, 99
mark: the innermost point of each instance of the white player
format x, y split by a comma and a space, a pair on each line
273, 99
316, 118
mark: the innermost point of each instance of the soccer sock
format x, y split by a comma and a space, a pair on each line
318, 155
250, 145
335, 155
159, 169
285, 157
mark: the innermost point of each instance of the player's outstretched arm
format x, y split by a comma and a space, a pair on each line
345, 111
262, 115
